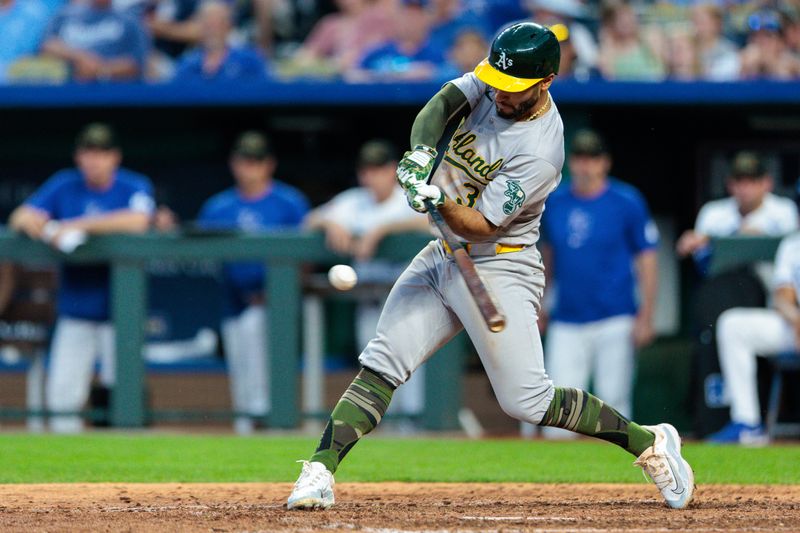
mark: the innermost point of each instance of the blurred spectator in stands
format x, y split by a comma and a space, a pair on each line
98, 43
409, 56
791, 29
767, 54
579, 52
355, 222
215, 59
271, 21
96, 197
751, 209
627, 53
340, 39
682, 59
257, 203
468, 50
133, 8
718, 58
497, 13
450, 18
745, 333
174, 28
22, 25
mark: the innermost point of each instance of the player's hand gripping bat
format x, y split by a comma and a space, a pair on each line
490, 312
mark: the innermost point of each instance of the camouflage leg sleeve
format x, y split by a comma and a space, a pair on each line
578, 411
358, 412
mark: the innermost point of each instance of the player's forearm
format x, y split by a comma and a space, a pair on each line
124, 221
647, 272
432, 119
785, 303
28, 220
467, 222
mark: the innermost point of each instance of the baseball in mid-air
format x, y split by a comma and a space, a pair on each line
342, 277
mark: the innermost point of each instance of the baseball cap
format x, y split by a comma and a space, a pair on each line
588, 142
98, 136
376, 153
252, 145
747, 165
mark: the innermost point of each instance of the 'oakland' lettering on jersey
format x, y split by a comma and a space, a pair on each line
463, 149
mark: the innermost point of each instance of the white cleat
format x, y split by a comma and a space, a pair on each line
313, 489
667, 469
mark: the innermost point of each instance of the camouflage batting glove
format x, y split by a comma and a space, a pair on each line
416, 166
417, 195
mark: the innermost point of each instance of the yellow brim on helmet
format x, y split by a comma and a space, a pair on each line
494, 78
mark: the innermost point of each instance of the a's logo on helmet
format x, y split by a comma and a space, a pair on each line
504, 61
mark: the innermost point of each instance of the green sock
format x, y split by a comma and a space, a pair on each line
579, 411
359, 410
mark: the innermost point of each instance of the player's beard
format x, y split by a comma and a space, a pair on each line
521, 109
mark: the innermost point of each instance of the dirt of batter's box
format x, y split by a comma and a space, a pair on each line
394, 507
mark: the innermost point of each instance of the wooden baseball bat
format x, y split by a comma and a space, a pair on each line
490, 312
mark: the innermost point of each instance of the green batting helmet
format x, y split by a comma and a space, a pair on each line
521, 55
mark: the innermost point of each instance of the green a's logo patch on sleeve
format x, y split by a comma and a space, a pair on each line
516, 197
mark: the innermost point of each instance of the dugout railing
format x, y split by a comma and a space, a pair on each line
285, 253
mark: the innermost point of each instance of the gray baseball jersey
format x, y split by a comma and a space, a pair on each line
505, 169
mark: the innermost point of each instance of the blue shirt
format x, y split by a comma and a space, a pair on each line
594, 242
282, 206
445, 34
105, 32
388, 58
83, 290
22, 25
240, 64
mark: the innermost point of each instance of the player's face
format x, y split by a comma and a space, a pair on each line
97, 166
379, 179
749, 192
251, 173
589, 167
516, 106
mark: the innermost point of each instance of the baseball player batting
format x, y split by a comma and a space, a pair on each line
508, 152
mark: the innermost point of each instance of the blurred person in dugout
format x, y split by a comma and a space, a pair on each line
750, 209
257, 203
599, 247
745, 333
355, 221
98, 196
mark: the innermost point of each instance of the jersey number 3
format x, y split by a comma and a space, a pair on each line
471, 197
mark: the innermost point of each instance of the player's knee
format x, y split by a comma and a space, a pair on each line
387, 367
529, 404
732, 322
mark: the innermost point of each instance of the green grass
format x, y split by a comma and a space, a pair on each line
190, 458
